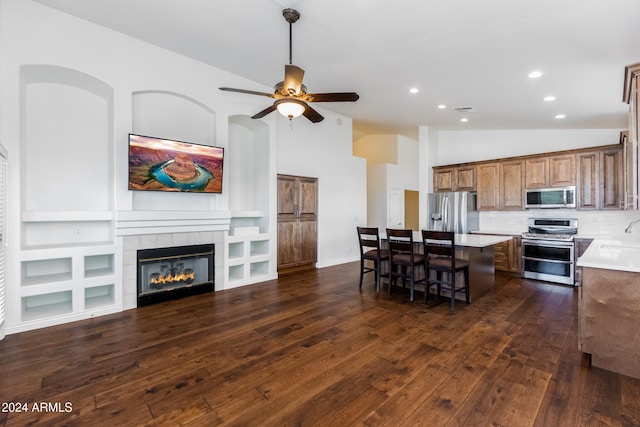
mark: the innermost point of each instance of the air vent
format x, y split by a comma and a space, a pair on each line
464, 109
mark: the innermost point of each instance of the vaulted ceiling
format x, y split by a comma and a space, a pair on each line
458, 53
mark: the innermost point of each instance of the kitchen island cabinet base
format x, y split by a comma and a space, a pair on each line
481, 273
609, 315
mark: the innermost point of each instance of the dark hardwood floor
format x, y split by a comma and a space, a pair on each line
310, 349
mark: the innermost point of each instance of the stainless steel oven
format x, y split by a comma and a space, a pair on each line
548, 250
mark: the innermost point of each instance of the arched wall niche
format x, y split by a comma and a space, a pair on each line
66, 147
248, 164
172, 115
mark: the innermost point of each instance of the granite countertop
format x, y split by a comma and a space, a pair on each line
501, 232
465, 240
613, 253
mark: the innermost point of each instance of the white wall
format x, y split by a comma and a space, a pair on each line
392, 168
476, 145
324, 151
130, 74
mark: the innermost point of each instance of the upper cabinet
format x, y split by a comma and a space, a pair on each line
501, 185
630, 140
512, 185
600, 179
459, 178
598, 174
489, 186
550, 171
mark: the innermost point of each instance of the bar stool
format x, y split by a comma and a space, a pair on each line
440, 256
404, 260
369, 239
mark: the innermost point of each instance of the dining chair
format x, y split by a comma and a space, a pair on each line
371, 254
440, 256
405, 261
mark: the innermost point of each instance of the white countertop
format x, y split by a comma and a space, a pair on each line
465, 240
610, 253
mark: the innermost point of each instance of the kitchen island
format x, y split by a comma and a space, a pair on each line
609, 304
478, 250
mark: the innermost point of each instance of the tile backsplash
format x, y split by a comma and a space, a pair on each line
590, 223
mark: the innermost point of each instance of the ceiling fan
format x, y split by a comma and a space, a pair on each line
291, 95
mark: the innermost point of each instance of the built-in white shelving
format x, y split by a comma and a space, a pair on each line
67, 283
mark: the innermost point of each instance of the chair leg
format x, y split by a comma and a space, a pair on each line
361, 272
411, 282
453, 291
466, 283
376, 265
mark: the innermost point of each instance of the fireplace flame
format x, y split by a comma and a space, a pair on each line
160, 279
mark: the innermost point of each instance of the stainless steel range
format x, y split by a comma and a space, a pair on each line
548, 248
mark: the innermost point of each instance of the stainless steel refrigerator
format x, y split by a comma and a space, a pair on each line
457, 212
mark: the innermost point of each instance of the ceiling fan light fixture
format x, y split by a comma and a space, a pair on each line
290, 108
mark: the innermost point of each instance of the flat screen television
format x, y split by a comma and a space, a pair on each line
158, 164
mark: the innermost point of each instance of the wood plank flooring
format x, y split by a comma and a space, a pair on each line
310, 349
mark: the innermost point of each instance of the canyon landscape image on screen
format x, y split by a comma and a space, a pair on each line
167, 165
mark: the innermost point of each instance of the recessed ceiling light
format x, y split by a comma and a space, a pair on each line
414, 90
464, 119
560, 116
442, 106
535, 74
549, 98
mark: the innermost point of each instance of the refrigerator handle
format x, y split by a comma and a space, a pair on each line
445, 213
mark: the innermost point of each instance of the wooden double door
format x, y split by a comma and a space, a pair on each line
297, 222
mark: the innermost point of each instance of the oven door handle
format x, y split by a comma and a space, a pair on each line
547, 244
558, 261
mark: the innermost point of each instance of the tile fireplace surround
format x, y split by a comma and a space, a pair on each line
154, 229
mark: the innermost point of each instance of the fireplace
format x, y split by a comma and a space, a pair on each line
174, 272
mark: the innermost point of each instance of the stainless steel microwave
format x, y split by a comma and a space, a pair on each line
545, 198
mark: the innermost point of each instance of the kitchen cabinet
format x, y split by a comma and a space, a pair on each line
562, 170
501, 185
580, 246
511, 185
508, 255
600, 179
609, 309
550, 171
588, 172
488, 186
611, 178
537, 172
598, 173
461, 178
297, 222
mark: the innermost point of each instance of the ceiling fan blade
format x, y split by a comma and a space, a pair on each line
264, 112
293, 76
312, 115
332, 97
249, 92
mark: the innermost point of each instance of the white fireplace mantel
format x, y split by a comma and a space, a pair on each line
131, 223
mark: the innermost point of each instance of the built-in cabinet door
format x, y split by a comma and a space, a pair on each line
512, 185
465, 177
612, 179
488, 186
297, 221
537, 172
562, 170
443, 180
588, 171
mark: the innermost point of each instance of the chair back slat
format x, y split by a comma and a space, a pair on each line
400, 241
440, 243
368, 237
